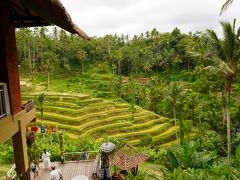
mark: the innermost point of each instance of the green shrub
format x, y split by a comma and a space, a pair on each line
104, 94
146, 140
6, 153
102, 68
103, 86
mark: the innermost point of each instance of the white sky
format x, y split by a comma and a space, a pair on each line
101, 17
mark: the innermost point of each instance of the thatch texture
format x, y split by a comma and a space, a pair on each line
28, 13
128, 157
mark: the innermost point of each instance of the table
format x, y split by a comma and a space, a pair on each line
79, 177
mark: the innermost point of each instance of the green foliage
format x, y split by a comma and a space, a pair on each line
212, 141
157, 155
102, 86
102, 68
155, 61
146, 140
6, 153
141, 175
40, 104
187, 156
87, 144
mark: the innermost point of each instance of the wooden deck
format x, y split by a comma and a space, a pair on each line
68, 169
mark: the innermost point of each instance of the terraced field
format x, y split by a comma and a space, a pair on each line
80, 115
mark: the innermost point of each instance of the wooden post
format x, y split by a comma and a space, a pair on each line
9, 74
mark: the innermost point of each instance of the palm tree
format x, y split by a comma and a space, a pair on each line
175, 95
40, 104
227, 66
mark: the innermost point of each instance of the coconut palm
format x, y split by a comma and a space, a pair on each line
226, 65
40, 104
175, 95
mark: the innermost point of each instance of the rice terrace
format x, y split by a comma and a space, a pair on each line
146, 91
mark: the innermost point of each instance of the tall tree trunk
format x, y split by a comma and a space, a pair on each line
119, 67
175, 118
82, 66
224, 107
48, 82
228, 126
181, 127
201, 129
174, 115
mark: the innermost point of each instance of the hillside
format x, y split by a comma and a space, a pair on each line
81, 115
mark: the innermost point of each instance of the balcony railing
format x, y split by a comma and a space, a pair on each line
11, 174
81, 156
28, 106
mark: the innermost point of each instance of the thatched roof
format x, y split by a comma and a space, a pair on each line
29, 13
128, 157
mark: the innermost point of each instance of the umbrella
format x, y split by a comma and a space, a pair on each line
107, 147
127, 157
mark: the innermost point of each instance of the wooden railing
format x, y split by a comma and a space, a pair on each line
11, 174
96, 167
80, 156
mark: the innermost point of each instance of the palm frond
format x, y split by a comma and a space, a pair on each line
238, 33
213, 35
217, 41
229, 40
219, 68
225, 6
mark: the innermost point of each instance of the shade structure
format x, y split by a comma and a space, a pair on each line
128, 157
107, 147
30, 13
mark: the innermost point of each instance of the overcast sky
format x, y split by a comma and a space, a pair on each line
101, 17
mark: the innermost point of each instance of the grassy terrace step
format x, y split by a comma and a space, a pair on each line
147, 124
117, 114
143, 117
82, 111
80, 101
92, 123
161, 138
60, 97
62, 104
101, 114
90, 101
82, 115
98, 123
151, 131
75, 106
56, 94
112, 128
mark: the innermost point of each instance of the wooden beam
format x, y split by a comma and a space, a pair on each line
7, 128
9, 125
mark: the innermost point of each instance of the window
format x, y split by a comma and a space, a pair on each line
4, 100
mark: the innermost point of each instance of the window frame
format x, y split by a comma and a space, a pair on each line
4, 100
